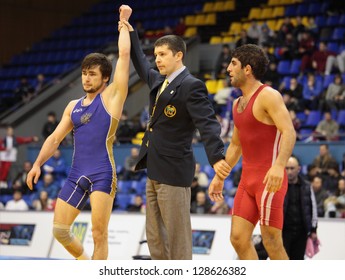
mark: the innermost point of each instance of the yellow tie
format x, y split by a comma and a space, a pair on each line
164, 85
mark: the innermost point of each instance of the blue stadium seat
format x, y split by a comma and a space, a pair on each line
124, 187
342, 19
314, 8
338, 33
321, 21
301, 116
341, 118
295, 67
333, 46
208, 170
290, 11
326, 34
123, 200
304, 133
327, 80
284, 67
313, 118
139, 186
333, 20
302, 9
230, 201
286, 81
4, 198
228, 185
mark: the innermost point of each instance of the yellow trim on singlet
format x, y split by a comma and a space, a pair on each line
109, 144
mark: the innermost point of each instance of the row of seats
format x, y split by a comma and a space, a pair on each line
324, 81
90, 32
286, 69
314, 117
290, 10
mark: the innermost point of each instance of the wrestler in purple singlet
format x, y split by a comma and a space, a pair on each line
93, 166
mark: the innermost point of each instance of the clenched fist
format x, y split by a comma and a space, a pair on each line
125, 12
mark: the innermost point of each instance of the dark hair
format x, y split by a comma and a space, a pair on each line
253, 55
174, 43
296, 158
95, 59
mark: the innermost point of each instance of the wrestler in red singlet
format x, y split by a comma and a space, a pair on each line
260, 146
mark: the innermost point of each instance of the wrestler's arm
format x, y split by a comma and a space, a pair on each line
116, 93
51, 144
232, 156
273, 104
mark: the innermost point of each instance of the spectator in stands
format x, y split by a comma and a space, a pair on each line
320, 194
202, 205
8, 152
141, 30
335, 63
43, 202
272, 77
40, 83
222, 96
342, 165
340, 195
181, 27
201, 176
323, 160
288, 48
319, 58
222, 62
290, 105
300, 212
19, 181
331, 179
295, 91
287, 27
126, 129
219, 208
24, 91
296, 122
306, 46
299, 29
168, 30
334, 95
312, 90
50, 125
129, 172
341, 101
271, 57
266, 37
335, 204
195, 188
48, 184
56, 166
17, 203
137, 205
327, 129
254, 31
244, 39
312, 27
225, 125
144, 118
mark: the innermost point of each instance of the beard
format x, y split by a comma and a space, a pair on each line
92, 89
